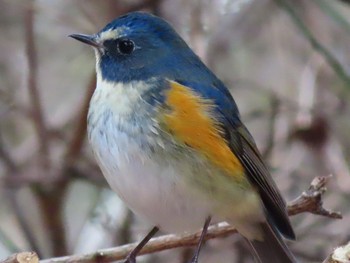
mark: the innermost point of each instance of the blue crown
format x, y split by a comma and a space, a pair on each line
142, 22
160, 52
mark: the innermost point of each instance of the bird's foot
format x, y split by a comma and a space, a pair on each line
130, 259
194, 259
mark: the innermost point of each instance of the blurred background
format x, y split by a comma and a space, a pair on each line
287, 64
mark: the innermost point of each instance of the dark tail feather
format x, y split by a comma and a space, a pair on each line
272, 249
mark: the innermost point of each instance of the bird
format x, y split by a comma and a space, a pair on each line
169, 139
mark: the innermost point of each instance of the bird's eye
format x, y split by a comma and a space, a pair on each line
125, 46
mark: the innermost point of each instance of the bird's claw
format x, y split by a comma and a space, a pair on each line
194, 259
130, 259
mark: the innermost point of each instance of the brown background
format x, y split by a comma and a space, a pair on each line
294, 98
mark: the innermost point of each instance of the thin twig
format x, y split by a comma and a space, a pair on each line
26, 229
74, 147
309, 201
329, 9
345, 1
321, 49
35, 100
7, 242
50, 202
5, 157
12, 172
274, 105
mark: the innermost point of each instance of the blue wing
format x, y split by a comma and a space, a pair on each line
244, 148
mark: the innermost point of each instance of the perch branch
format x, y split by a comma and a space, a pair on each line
154, 245
22, 257
309, 201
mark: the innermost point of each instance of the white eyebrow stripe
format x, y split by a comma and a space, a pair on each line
112, 33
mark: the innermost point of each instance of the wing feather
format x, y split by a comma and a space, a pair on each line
259, 175
243, 147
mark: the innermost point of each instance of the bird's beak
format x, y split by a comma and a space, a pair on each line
87, 39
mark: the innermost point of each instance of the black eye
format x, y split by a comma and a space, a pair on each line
125, 46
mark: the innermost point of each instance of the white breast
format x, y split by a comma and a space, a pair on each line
176, 194
151, 187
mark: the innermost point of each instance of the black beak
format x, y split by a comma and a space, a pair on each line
87, 39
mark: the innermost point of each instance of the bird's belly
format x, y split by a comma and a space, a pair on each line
175, 191
152, 189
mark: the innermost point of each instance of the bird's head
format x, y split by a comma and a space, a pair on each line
138, 46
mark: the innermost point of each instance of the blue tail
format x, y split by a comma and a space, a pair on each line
272, 249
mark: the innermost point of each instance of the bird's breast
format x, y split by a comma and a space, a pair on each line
168, 183
130, 150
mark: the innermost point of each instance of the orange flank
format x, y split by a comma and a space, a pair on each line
189, 120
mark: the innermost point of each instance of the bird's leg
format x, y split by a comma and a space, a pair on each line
131, 258
201, 240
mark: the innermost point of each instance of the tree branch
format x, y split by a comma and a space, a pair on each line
316, 45
23, 257
339, 255
345, 1
35, 100
154, 245
76, 143
11, 194
309, 201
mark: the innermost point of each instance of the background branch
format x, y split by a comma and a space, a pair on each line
311, 200
256, 47
34, 95
78, 138
317, 45
12, 171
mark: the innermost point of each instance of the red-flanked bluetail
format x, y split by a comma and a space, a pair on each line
169, 139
